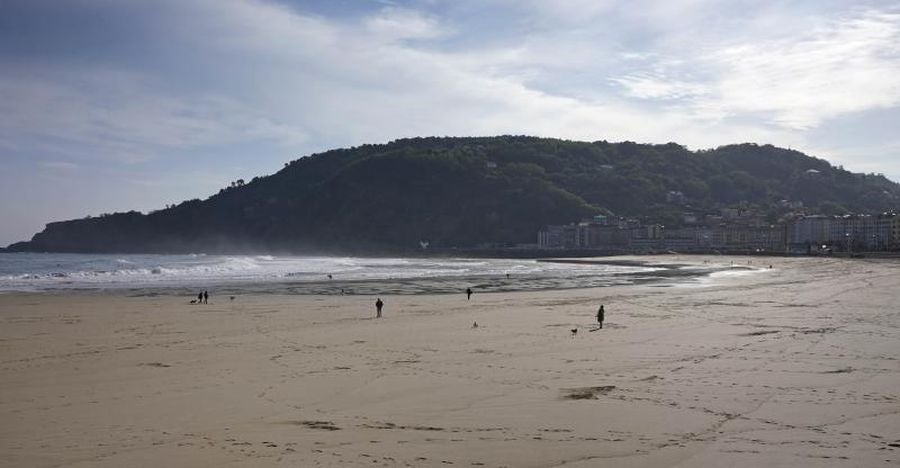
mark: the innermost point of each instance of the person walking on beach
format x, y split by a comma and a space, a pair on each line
601, 314
468, 293
378, 306
206, 297
200, 297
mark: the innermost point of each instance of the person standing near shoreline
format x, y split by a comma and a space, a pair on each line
601, 314
378, 305
468, 293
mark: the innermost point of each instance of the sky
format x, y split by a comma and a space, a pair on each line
114, 105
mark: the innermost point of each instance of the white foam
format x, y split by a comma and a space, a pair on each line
49, 271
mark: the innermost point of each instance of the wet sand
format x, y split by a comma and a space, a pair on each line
794, 366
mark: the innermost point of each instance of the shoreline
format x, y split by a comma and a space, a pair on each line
496, 277
496, 253
793, 368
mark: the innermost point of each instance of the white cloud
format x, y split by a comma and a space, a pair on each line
843, 66
367, 86
392, 24
562, 12
119, 116
655, 86
254, 26
850, 65
310, 82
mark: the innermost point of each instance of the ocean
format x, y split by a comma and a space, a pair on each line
153, 274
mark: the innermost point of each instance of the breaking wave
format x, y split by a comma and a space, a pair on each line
316, 274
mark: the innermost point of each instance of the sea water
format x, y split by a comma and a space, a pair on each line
320, 274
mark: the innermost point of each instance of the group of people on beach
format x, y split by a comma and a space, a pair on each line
202, 298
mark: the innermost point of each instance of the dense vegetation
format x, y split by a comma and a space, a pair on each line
471, 191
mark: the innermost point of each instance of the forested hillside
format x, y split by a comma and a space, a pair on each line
464, 192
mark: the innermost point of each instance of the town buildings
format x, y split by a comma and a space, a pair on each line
733, 231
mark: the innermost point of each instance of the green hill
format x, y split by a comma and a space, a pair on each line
464, 192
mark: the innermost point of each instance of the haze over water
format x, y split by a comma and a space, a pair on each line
310, 275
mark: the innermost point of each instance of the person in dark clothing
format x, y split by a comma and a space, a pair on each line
378, 306
200, 298
601, 314
468, 293
206, 297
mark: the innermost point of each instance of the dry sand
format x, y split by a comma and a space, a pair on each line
796, 366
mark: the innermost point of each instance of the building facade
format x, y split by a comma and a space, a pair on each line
806, 234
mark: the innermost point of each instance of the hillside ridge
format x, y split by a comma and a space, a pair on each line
468, 191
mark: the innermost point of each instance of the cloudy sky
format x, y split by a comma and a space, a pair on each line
112, 105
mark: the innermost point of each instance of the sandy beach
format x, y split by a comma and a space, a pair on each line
794, 366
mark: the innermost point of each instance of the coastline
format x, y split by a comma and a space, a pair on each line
796, 366
157, 275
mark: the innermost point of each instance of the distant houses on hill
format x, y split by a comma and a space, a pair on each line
732, 230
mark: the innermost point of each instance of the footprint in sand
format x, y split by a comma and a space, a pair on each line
586, 393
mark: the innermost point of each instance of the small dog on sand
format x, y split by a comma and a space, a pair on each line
193, 301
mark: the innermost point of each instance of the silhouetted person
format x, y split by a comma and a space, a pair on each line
329, 276
200, 298
206, 297
601, 314
468, 293
378, 306
507, 276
